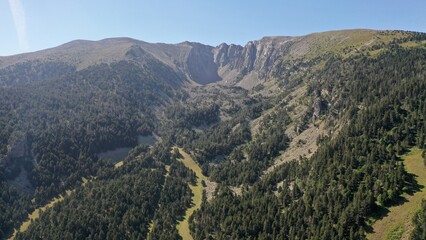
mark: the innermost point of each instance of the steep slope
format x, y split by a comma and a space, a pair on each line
245, 66
55, 121
397, 223
236, 109
191, 60
352, 175
260, 60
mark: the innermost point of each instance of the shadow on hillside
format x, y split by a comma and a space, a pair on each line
412, 185
380, 212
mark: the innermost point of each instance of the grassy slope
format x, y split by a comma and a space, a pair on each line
119, 164
343, 43
197, 190
397, 223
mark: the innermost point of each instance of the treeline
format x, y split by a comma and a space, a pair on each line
68, 120
419, 219
339, 82
419, 222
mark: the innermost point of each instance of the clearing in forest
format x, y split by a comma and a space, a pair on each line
197, 191
397, 223
36, 213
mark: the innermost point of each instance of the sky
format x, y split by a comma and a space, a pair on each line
28, 25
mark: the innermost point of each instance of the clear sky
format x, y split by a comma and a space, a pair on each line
30, 25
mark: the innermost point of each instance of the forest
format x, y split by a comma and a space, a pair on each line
59, 120
331, 195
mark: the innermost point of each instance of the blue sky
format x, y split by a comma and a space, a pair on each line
28, 25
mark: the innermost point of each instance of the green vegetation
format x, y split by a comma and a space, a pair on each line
123, 201
36, 214
118, 219
410, 44
246, 162
398, 218
332, 195
344, 43
64, 121
197, 191
366, 88
419, 220
396, 233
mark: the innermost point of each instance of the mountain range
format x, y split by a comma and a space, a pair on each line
296, 137
202, 64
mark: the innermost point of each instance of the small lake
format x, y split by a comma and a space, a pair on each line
148, 140
119, 154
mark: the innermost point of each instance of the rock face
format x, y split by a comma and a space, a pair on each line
319, 106
199, 64
227, 55
254, 60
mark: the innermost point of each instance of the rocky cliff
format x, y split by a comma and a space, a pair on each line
201, 64
249, 65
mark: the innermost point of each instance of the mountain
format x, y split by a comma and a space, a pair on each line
290, 131
246, 66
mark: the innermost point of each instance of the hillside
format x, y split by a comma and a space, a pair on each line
296, 131
397, 223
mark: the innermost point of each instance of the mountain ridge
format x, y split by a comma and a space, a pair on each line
244, 66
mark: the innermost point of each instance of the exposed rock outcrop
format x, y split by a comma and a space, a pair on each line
244, 66
199, 64
251, 63
227, 55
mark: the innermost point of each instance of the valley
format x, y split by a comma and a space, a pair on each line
282, 138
